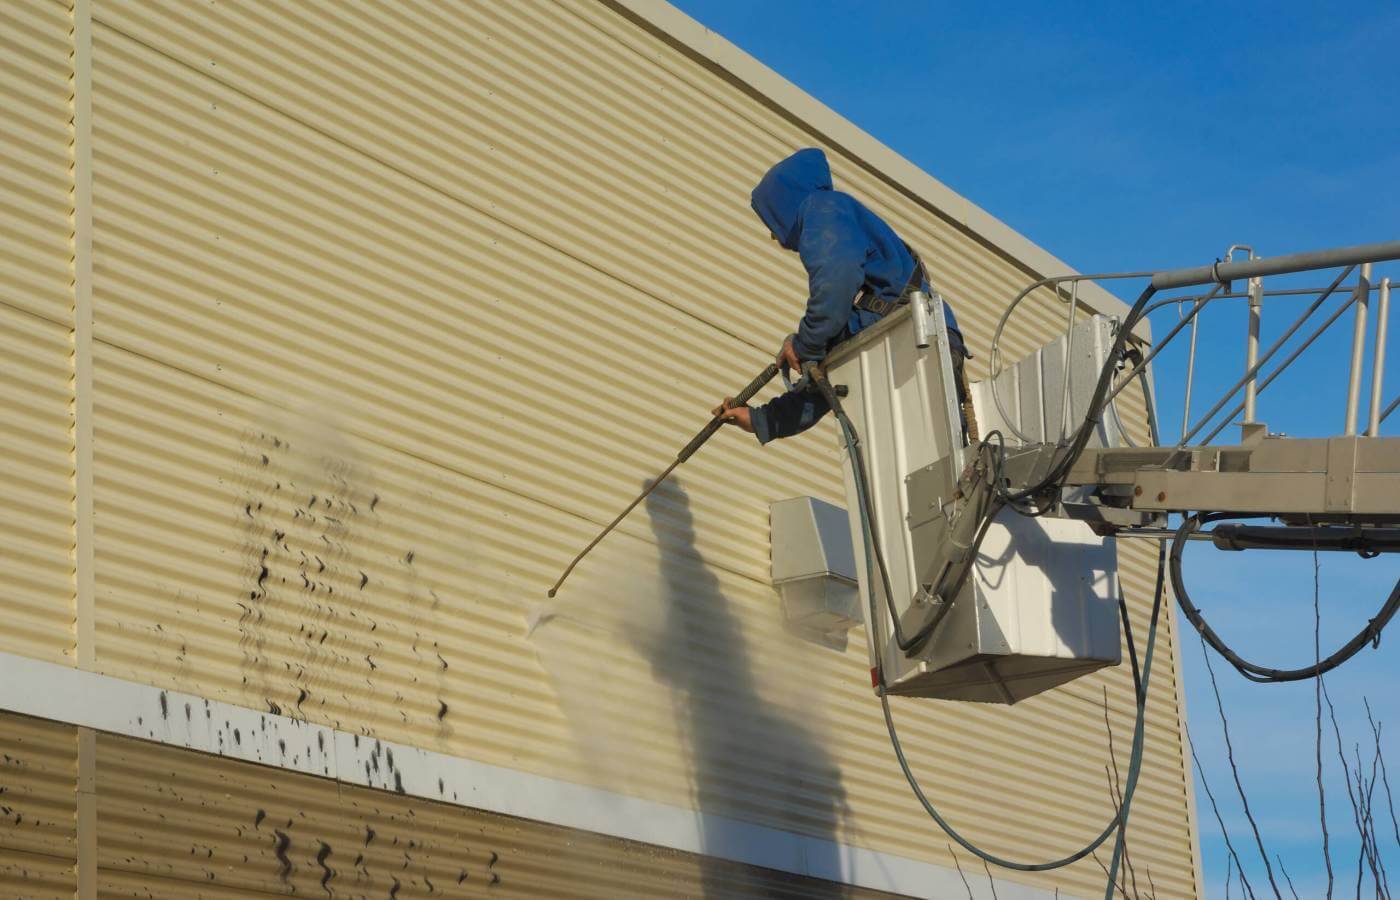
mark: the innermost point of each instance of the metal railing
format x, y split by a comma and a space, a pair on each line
1220, 275
1358, 297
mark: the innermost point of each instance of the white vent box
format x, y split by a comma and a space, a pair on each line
1040, 606
814, 569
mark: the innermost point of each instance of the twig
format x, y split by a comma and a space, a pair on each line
1284, 870
990, 880
1235, 771
1229, 873
1385, 779
1117, 799
1234, 858
1104, 869
1368, 824
1346, 776
1150, 886
1317, 701
1116, 786
960, 872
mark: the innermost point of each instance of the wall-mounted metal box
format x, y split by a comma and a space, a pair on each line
814, 569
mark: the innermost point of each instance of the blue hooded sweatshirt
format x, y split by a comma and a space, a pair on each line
844, 247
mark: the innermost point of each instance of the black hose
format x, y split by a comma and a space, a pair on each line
873, 554
1371, 634
1134, 764
1132, 645
867, 513
1054, 479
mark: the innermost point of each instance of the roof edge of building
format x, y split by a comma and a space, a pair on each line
691, 35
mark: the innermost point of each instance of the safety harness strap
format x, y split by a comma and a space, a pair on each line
866, 298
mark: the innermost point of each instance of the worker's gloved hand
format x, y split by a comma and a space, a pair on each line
734, 415
787, 356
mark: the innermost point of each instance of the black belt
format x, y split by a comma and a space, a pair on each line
867, 300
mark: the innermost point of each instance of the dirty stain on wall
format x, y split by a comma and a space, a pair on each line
316, 560
175, 824
350, 339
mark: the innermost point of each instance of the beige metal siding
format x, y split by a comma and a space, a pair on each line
35, 159
180, 824
392, 309
37, 515
516, 720
38, 784
36, 311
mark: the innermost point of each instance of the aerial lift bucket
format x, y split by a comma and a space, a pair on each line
1040, 605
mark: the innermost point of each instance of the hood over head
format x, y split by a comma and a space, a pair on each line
781, 192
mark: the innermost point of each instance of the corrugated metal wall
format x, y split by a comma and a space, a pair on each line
36, 314
38, 787
174, 824
393, 307
241, 830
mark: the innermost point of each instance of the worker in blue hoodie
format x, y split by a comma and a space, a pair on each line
858, 270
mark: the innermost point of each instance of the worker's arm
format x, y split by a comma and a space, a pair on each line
833, 249
792, 413
787, 414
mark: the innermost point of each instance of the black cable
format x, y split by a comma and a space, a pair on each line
999, 482
1139, 728
867, 511
1134, 765
1132, 645
1053, 480
1371, 634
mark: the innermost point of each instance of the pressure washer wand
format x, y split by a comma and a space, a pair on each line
696, 442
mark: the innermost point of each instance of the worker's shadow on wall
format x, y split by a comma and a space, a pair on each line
749, 759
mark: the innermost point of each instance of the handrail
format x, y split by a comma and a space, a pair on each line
1254, 370
1220, 275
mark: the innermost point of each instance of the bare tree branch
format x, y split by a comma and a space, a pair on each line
1317, 701
1351, 794
1104, 869
1234, 858
1235, 771
1366, 790
1385, 779
1116, 787
962, 876
1282, 869
990, 880
1116, 795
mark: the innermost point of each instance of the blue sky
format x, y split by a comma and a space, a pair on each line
1125, 136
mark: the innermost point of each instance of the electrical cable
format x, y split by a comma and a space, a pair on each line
1054, 479
872, 553
867, 512
1132, 645
1371, 634
1052, 482
1045, 494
